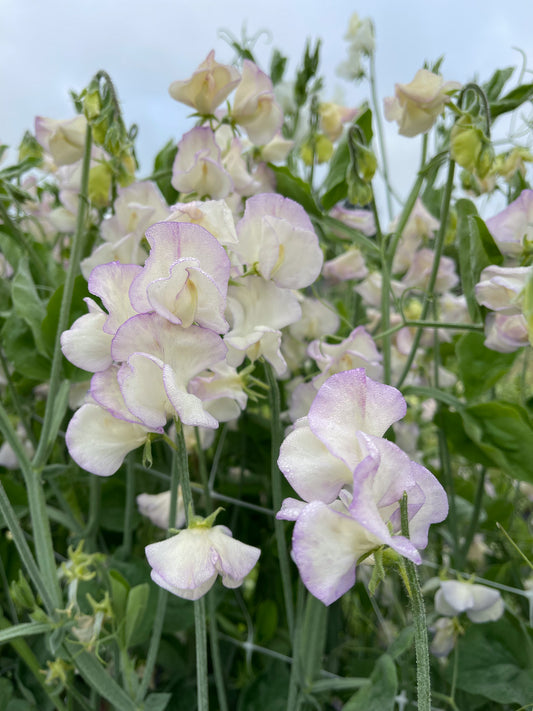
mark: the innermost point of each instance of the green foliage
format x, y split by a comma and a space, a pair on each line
480, 368
381, 693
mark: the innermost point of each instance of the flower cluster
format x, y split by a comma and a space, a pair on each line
351, 481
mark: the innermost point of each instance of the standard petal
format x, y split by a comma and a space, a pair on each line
99, 442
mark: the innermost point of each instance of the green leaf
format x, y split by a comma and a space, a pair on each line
77, 309
294, 188
502, 430
480, 368
96, 677
156, 702
335, 186
381, 693
495, 84
460, 443
27, 303
23, 630
268, 690
136, 607
488, 668
163, 171
19, 348
512, 100
477, 250
277, 67
266, 621
119, 593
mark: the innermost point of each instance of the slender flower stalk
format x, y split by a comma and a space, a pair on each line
48, 435
416, 599
275, 424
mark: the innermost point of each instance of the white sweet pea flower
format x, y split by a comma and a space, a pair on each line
156, 507
185, 277
64, 140
213, 215
188, 564
254, 105
209, 85
257, 310
198, 168
481, 603
277, 239
417, 105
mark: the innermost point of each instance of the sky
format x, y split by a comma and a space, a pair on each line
48, 47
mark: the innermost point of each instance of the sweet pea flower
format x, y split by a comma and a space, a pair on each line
419, 272
156, 507
333, 117
501, 288
185, 277
349, 265
277, 239
512, 228
481, 604
505, 333
213, 215
361, 220
417, 105
64, 140
254, 105
358, 350
197, 167
188, 564
98, 441
257, 311
208, 87
338, 451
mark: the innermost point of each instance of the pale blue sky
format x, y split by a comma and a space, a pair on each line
48, 47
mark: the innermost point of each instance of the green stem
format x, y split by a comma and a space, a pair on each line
48, 436
472, 528
381, 135
215, 652
439, 246
18, 236
478, 328
129, 509
283, 554
423, 679
176, 475
44, 549
95, 484
201, 655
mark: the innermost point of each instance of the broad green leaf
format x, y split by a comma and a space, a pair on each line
25, 629
268, 690
294, 188
135, 612
266, 621
460, 443
480, 368
380, 694
476, 249
503, 431
488, 668
27, 303
403, 642
19, 348
119, 593
495, 84
512, 100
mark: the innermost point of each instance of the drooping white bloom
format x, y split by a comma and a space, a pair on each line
417, 105
188, 564
156, 507
481, 603
64, 140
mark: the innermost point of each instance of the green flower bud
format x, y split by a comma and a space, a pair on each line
99, 185
21, 594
